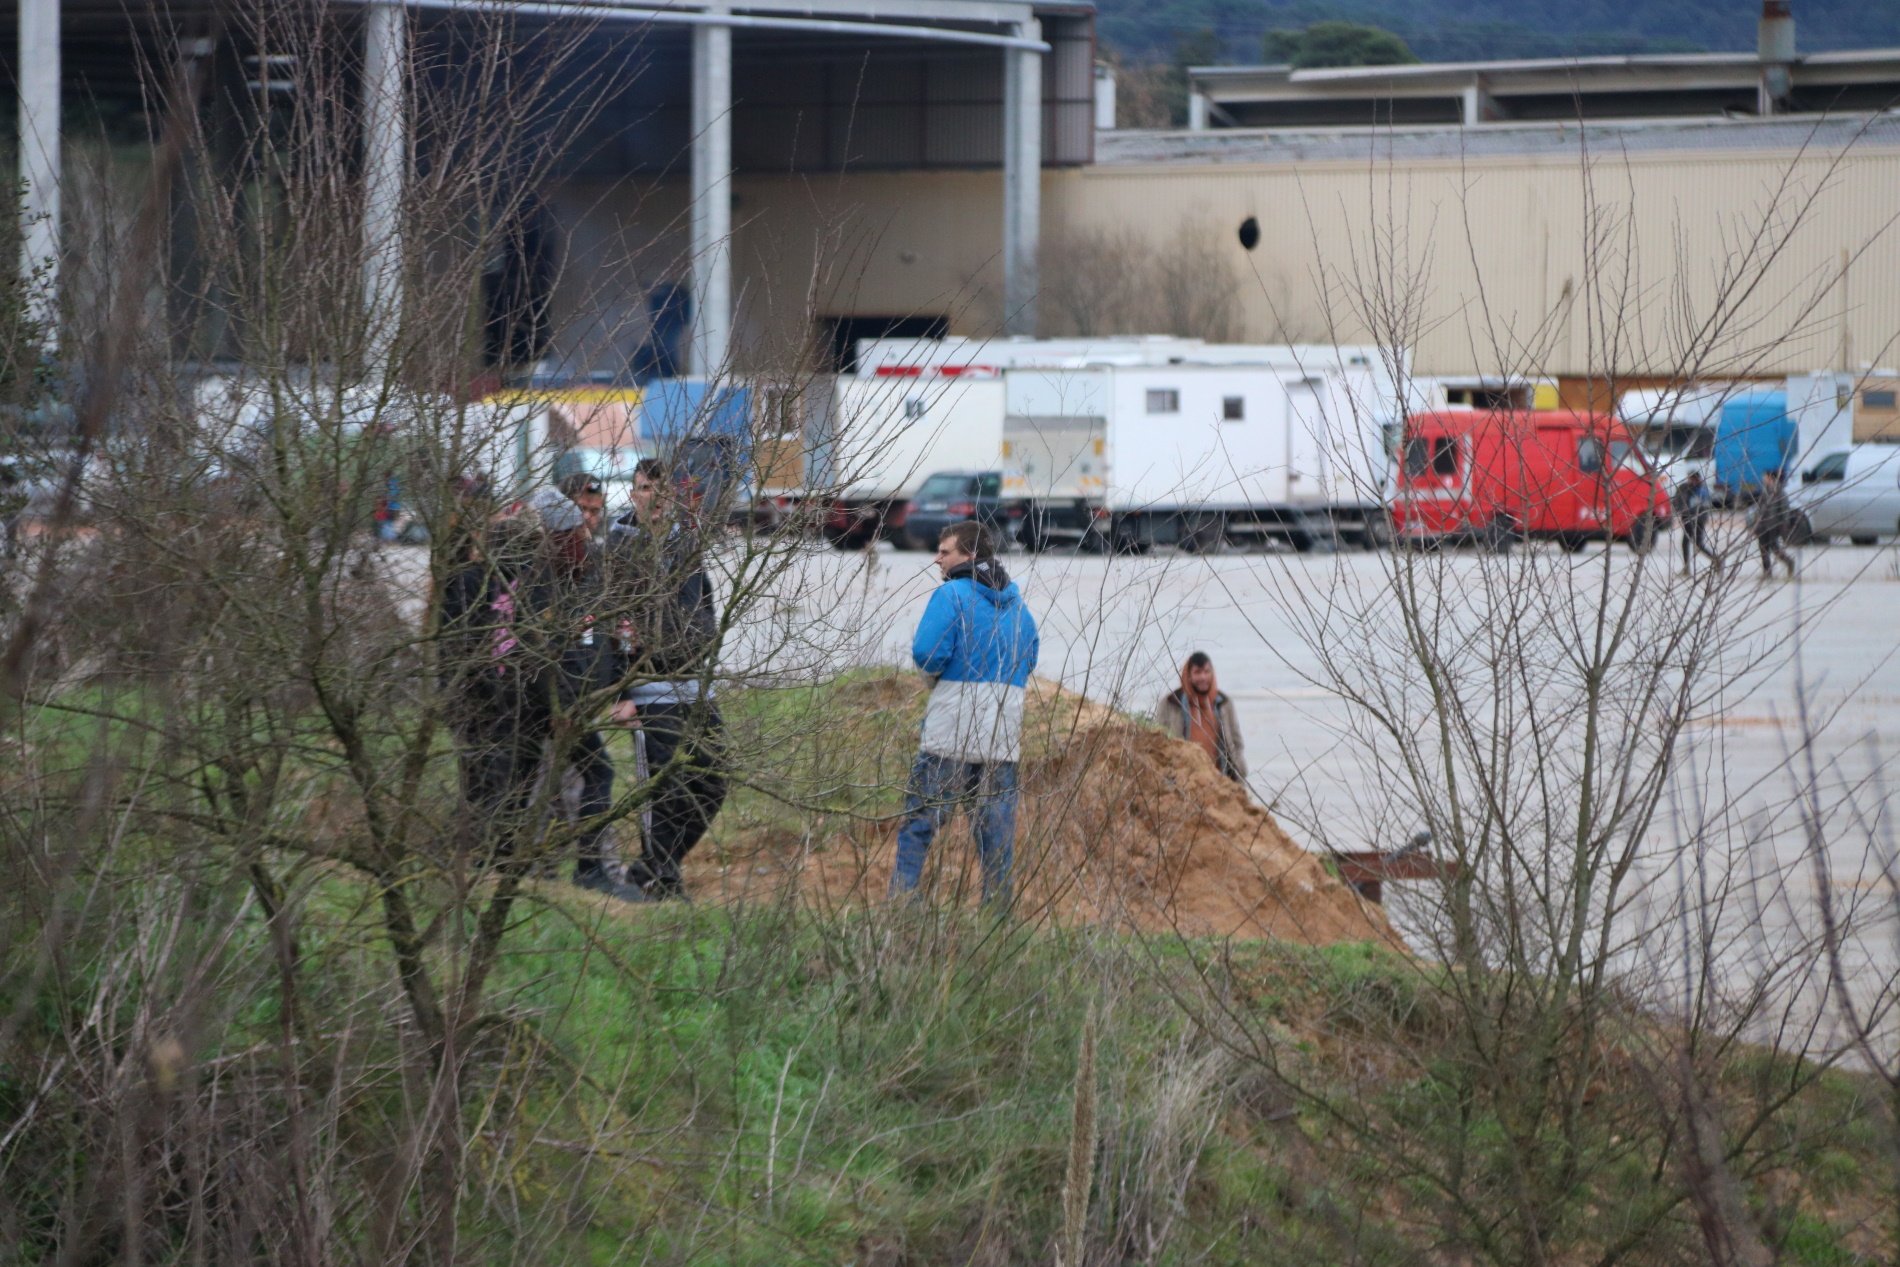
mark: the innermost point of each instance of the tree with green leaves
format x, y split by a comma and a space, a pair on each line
1337, 44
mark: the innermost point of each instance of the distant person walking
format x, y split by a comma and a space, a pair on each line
1773, 520
1198, 712
978, 643
1692, 503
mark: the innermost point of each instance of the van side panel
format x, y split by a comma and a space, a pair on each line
1755, 435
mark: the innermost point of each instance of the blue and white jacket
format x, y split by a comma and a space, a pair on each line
979, 640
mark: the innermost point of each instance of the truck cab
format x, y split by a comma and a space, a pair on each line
1675, 426
1496, 478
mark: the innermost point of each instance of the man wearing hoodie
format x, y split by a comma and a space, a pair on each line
978, 643
1200, 713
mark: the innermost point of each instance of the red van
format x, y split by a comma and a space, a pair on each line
1495, 478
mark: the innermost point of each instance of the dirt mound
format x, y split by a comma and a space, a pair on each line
1119, 825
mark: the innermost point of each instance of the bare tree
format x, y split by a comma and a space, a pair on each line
1120, 281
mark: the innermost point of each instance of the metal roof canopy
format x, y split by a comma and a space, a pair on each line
120, 48
1641, 86
905, 84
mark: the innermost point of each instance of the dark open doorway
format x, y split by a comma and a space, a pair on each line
841, 335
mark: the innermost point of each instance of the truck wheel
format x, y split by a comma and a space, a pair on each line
1030, 536
1128, 540
1643, 534
1573, 542
1203, 535
1378, 533
1499, 536
1801, 531
1865, 541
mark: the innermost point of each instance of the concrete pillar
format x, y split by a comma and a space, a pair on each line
1104, 97
712, 200
1476, 104
38, 79
385, 166
1022, 180
1197, 112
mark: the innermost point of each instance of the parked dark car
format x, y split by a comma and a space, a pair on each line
949, 497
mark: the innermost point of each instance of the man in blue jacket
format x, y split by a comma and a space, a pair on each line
978, 642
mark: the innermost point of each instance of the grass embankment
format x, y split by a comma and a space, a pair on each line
779, 1080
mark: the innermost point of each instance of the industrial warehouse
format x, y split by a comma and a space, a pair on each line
874, 177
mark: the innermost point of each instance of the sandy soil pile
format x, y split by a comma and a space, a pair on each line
1119, 825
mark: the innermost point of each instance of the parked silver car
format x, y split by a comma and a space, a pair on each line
1852, 493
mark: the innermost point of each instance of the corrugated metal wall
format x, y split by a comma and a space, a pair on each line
1554, 268
875, 108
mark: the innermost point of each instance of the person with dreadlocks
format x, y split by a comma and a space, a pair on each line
1200, 713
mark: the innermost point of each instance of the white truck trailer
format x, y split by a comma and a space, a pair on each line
1304, 457
1131, 456
888, 430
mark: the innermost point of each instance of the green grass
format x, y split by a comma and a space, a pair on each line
774, 1085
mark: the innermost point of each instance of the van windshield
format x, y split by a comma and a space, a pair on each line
1831, 467
946, 486
1665, 440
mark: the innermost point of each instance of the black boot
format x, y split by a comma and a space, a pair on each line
597, 879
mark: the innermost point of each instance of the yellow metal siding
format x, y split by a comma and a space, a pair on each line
1545, 268
1484, 265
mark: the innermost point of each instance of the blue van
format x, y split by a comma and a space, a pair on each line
705, 431
1755, 434
672, 409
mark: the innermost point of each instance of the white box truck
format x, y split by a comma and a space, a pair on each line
1127, 457
887, 432
1823, 406
1131, 456
1288, 441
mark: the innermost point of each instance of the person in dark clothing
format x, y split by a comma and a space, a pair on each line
1773, 519
571, 598
667, 634
488, 684
527, 667
1692, 503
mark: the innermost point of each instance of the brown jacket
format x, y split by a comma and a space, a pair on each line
1174, 719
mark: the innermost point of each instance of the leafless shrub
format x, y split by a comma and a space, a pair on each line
1122, 281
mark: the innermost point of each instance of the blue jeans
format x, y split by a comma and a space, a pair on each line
938, 786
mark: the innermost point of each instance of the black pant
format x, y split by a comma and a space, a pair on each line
685, 758
1695, 537
590, 761
500, 758
1769, 541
